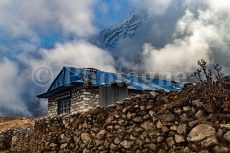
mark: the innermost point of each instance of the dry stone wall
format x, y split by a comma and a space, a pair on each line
146, 123
5, 139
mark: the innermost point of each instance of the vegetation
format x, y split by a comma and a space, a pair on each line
213, 86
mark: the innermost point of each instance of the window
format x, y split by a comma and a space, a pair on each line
64, 106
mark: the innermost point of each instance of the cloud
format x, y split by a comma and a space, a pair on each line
205, 35
11, 90
177, 34
77, 54
74, 16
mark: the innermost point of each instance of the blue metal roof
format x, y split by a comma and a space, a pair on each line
71, 75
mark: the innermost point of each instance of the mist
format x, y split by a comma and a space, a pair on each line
176, 34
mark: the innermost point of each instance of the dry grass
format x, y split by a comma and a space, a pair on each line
7, 123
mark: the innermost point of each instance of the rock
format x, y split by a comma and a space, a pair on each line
219, 149
63, 145
85, 138
167, 118
151, 113
146, 117
126, 144
209, 142
173, 128
199, 114
182, 129
200, 132
209, 108
193, 123
170, 141
106, 144
142, 107
179, 138
227, 136
99, 142
101, 134
159, 125
204, 151
164, 129
152, 146
113, 146
116, 141
160, 139
86, 151
138, 119
129, 115
147, 126
219, 133
184, 117
197, 103
161, 151
177, 111
225, 126
187, 108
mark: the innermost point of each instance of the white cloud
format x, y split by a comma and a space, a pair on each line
20, 17
77, 54
11, 90
204, 35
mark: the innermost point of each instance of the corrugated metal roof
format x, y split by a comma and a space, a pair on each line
72, 75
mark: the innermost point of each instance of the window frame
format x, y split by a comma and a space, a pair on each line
64, 106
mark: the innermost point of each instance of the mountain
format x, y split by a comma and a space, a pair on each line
109, 37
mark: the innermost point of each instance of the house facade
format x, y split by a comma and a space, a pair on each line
80, 89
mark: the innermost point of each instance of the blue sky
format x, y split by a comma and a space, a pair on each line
107, 13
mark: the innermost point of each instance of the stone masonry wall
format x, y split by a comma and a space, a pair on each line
141, 124
82, 99
53, 103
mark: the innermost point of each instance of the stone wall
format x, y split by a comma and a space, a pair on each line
143, 124
82, 99
5, 139
53, 103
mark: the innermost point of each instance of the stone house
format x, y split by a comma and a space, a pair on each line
81, 89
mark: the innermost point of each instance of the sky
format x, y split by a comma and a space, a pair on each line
39, 37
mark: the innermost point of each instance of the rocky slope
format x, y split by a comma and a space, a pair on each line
195, 120
127, 28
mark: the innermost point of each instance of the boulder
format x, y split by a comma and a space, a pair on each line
227, 136
201, 132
